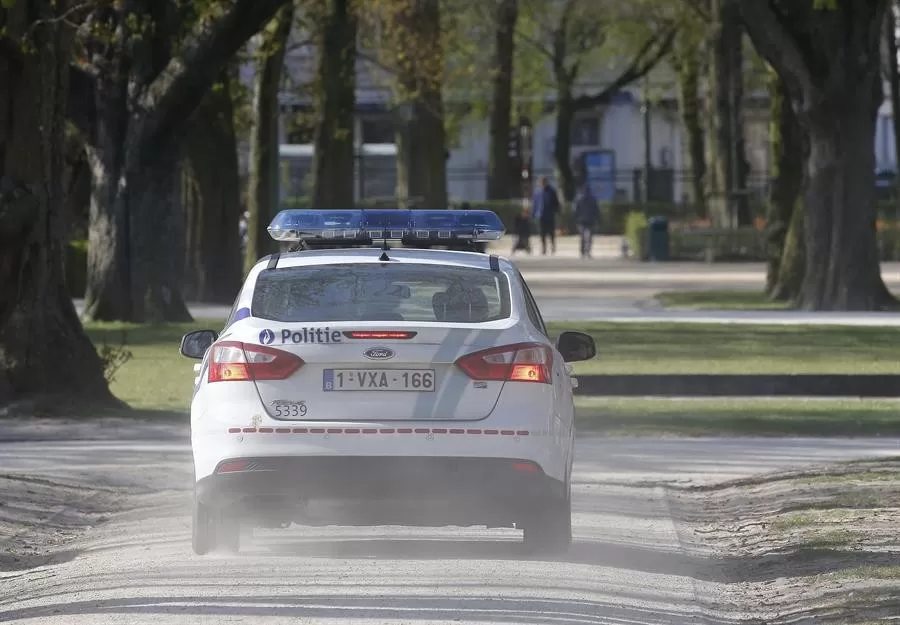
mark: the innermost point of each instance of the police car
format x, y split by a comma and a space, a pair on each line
362, 380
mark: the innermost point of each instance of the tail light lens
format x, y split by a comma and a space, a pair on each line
233, 361
523, 362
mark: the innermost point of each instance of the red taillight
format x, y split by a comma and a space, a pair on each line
233, 466
523, 362
526, 467
379, 334
233, 361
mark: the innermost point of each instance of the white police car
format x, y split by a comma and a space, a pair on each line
377, 386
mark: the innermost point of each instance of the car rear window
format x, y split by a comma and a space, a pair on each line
381, 292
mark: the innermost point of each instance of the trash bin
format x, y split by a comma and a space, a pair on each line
658, 238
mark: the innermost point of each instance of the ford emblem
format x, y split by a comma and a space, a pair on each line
378, 353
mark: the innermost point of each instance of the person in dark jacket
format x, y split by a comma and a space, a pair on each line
544, 208
587, 214
522, 229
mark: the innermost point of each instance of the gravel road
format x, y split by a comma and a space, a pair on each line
114, 548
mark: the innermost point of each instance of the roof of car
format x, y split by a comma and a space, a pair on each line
371, 254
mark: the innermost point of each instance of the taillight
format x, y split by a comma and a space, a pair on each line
233, 361
523, 362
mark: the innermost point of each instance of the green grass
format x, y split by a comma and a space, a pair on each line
718, 300
872, 572
157, 377
829, 539
739, 417
867, 476
627, 348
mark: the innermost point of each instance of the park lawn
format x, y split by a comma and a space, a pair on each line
748, 416
694, 348
718, 300
157, 377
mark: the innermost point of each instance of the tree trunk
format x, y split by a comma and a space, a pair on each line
107, 294
562, 144
421, 137
713, 185
689, 105
211, 198
737, 161
726, 79
334, 161
157, 237
143, 89
262, 186
890, 35
843, 270
77, 185
44, 352
499, 164
836, 97
787, 147
792, 264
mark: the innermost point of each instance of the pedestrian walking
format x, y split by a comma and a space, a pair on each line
587, 214
544, 208
522, 230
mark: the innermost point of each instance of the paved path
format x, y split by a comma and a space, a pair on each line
626, 567
608, 288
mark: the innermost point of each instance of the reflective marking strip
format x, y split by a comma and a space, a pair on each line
454, 431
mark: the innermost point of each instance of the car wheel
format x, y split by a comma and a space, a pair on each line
212, 529
203, 534
549, 531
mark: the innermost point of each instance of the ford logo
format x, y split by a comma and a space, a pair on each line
378, 353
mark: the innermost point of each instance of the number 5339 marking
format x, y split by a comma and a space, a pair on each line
289, 409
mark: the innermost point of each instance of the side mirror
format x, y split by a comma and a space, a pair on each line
575, 346
194, 344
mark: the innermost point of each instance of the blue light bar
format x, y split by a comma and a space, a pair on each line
363, 227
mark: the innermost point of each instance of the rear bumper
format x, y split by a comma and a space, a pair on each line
389, 490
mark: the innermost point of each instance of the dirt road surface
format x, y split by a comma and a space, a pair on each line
103, 538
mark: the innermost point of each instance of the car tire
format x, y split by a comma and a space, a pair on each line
549, 531
203, 531
212, 529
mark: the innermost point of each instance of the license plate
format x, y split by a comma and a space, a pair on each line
420, 380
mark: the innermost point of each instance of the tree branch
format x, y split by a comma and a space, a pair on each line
701, 9
178, 90
766, 28
644, 61
534, 43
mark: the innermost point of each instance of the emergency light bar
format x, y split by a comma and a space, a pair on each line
357, 226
